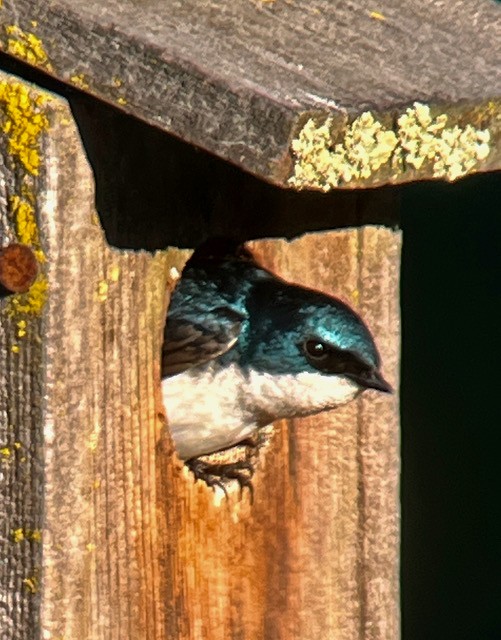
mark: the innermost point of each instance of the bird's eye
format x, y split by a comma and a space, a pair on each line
316, 350
329, 359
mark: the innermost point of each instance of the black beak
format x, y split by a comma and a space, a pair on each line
376, 381
372, 380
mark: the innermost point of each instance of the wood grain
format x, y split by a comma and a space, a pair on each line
240, 77
102, 335
21, 433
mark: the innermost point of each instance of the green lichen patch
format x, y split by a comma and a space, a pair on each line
418, 140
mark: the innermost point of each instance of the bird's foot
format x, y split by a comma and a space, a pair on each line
235, 463
218, 474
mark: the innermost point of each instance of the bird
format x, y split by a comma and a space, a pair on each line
243, 347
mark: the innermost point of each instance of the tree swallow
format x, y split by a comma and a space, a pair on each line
242, 348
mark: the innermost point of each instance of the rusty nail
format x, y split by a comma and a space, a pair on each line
18, 268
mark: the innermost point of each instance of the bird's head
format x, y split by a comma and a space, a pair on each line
335, 341
315, 343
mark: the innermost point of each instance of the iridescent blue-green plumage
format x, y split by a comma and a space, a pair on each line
234, 299
282, 316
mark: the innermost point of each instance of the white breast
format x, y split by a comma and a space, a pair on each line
213, 408
204, 410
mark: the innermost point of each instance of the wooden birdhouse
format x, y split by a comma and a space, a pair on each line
130, 132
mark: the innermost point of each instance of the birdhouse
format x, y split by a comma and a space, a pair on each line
131, 132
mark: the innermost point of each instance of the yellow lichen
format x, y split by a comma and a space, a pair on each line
31, 584
367, 145
27, 46
121, 101
15, 348
452, 151
102, 290
114, 273
7, 450
376, 15
36, 535
23, 213
21, 328
17, 535
32, 302
79, 80
103, 286
22, 120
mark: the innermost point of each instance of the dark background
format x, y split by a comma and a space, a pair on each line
451, 417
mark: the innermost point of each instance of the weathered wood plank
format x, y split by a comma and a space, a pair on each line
21, 373
241, 78
102, 336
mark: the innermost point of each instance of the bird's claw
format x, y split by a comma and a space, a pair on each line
218, 474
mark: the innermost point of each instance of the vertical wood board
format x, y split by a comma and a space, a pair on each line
21, 370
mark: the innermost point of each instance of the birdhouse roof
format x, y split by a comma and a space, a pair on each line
307, 95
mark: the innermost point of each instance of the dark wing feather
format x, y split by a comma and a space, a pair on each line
188, 343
